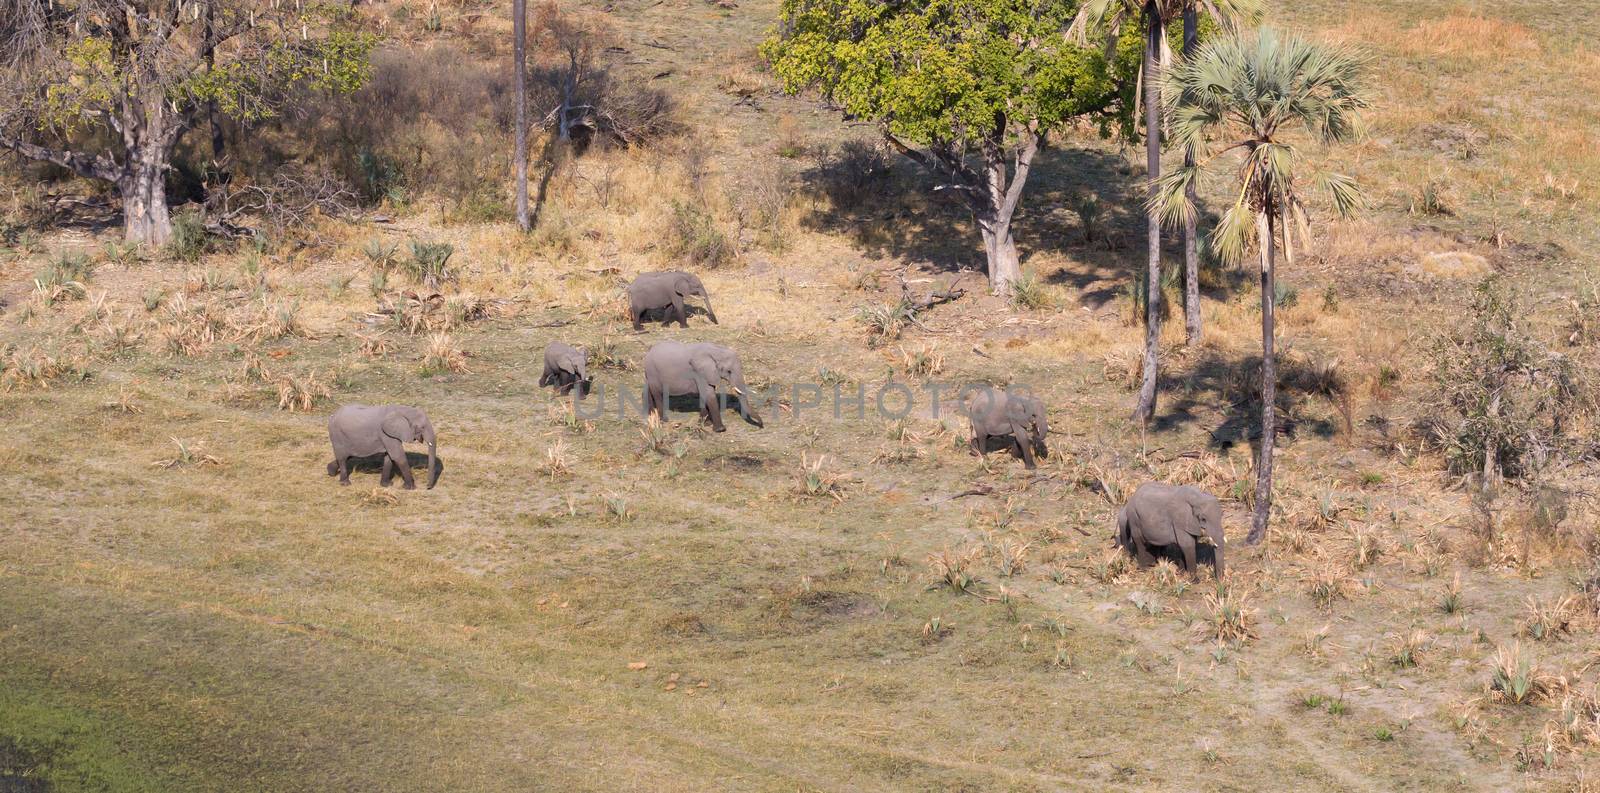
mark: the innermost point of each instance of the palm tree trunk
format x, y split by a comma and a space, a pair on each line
1269, 382
519, 36
1191, 248
1154, 33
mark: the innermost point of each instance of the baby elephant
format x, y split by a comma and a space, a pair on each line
1017, 420
566, 366
651, 291
361, 431
1161, 514
672, 368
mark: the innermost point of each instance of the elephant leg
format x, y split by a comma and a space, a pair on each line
1141, 551
710, 407
397, 455
564, 383
333, 468
343, 469
1186, 544
1025, 451
388, 472
679, 309
656, 402
977, 445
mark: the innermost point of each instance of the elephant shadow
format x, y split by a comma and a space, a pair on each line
1205, 554
373, 463
660, 314
690, 403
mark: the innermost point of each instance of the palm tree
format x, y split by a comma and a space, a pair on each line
1109, 16
1252, 92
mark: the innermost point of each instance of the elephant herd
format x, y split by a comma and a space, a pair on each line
1156, 516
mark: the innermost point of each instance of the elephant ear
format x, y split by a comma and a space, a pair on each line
705, 365
1193, 503
682, 285
399, 427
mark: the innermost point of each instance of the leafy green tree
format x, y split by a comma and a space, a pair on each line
106, 88
1254, 93
1109, 17
968, 89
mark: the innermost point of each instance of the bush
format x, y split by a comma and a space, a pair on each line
1500, 401
65, 278
430, 263
189, 240
697, 238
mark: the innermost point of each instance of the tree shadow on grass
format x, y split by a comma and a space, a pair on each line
1232, 386
1083, 203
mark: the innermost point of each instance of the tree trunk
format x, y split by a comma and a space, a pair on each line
1191, 248
1269, 382
1000, 249
144, 195
1154, 33
209, 54
519, 36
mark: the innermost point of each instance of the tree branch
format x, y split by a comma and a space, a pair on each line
1019, 175
81, 164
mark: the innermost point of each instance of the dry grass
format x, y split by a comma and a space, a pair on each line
301, 393
1516, 679
442, 356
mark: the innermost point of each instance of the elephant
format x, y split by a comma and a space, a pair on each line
362, 430
1017, 419
1162, 514
666, 290
566, 366
673, 368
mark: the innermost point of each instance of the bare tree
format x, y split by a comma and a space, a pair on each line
519, 34
106, 88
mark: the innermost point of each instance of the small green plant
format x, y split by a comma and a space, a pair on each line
429, 264
1513, 678
817, 482
1383, 734
952, 570
1326, 586
1371, 478
65, 278
378, 284
1330, 299
1338, 707
1450, 599
1313, 702
1430, 200
1548, 618
1030, 293
617, 509
1284, 294
885, 321
125, 254
189, 240
381, 256
339, 284
1407, 649
1087, 207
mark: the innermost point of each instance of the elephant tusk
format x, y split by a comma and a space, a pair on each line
736, 390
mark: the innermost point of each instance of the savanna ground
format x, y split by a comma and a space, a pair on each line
188, 603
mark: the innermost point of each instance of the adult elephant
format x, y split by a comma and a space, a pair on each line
1162, 514
672, 368
666, 291
1017, 420
362, 431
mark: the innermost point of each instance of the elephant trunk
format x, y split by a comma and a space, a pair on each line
1216, 564
583, 379
744, 401
433, 456
709, 312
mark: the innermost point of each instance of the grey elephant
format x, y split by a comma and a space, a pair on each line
1016, 419
667, 291
672, 368
566, 367
362, 431
1164, 515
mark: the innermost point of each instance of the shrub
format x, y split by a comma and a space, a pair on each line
65, 278
1030, 293
429, 264
697, 238
189, 240
1500, 402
